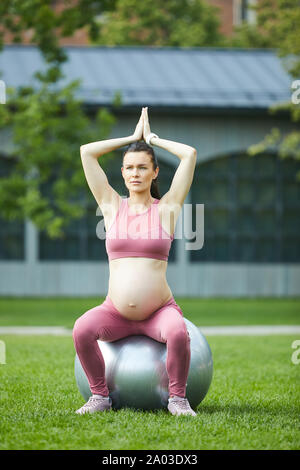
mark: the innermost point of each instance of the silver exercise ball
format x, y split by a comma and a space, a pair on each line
136, 376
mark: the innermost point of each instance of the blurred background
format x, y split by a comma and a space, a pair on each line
219, 75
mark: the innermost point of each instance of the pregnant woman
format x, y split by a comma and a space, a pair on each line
139, 233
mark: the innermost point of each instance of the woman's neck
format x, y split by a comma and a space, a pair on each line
141, 200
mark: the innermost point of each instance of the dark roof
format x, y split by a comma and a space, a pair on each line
162, 76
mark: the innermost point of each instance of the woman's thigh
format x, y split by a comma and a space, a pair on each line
165, 323
104, 322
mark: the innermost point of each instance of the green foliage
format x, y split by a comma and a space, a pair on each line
45, 180
46, 183
48, 25
188, 23
277, 26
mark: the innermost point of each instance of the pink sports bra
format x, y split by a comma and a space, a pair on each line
139, 235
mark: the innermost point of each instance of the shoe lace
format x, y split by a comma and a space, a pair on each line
183, 404
92, 402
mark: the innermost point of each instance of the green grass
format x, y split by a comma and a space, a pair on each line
202, 312
253, 401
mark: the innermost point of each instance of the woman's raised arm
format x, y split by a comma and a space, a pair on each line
183, 177
94, 174
96, 149
184, 174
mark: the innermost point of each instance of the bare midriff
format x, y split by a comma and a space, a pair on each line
138, 286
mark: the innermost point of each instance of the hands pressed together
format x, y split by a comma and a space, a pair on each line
142, 129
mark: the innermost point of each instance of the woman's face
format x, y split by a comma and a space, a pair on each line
137, 166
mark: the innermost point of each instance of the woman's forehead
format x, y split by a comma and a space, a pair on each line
137, 158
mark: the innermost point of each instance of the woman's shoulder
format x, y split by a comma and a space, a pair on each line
167, 202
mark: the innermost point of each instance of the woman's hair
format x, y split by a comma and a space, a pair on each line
141, 146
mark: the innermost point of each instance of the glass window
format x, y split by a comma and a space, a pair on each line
244, 248
266, 192
291, 248
204, 183
223, 248
266, 222
80, 241
219, 220
291, 193
291, 221
267, 249
220, 166
206, 253
12, 232
265, 165
245, 166
11, 240
251, 212
246, 221
220, 191
245, 191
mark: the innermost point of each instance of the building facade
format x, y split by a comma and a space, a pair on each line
233, 13
216, 101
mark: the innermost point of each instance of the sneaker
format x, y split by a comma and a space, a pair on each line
180, 406
95, 404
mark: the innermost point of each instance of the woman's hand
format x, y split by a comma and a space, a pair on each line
138, 133
146, 130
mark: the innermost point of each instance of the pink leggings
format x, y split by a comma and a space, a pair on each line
104, 322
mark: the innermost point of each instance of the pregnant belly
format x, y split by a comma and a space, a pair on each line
138, 287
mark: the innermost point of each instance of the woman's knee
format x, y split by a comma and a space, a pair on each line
178, 333
83, 331
88, 324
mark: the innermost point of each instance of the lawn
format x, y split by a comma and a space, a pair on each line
253, 401
205, 312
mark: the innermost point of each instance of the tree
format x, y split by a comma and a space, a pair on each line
48, 25
278, 23
44, 180
188, 23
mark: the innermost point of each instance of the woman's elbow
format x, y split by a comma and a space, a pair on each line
83, 150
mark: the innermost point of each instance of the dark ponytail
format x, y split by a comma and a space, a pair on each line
141, 146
